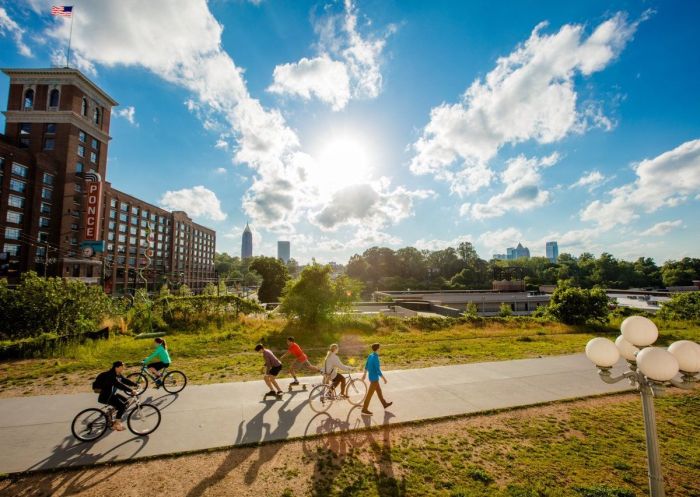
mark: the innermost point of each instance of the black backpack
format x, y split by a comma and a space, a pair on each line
100, 382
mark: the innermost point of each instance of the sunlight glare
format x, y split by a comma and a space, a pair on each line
342, 161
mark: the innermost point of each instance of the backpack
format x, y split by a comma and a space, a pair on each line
99, 382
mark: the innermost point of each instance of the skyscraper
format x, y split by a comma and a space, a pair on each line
247, 243
283, 251
552, 249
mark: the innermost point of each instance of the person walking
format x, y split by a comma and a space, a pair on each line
301, 360
332, 368
272, 368
374, 371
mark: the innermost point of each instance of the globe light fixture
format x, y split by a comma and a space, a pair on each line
651, 370
627, 350
639, 331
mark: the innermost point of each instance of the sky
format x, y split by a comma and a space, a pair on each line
344, 125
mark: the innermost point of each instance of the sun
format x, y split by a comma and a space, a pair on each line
342, 161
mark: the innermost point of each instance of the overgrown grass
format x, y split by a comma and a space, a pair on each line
224, 352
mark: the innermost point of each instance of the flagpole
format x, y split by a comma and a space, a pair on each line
70, 38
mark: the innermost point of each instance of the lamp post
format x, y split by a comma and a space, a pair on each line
651, 370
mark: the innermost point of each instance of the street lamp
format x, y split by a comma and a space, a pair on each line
651, 370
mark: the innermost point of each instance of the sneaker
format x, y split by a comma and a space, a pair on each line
388, 404
271, 392
366, 413
294, 383
279, 393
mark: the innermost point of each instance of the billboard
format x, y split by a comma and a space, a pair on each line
93, 207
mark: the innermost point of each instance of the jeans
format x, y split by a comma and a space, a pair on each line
374, 387
119, 403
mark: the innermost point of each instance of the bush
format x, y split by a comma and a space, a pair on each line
505, 310
682, 307
275, 276
314, 297
62, 307
572, 305
472, 310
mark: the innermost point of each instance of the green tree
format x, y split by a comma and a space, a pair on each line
274, 277
573, 305
314, 297
682, 307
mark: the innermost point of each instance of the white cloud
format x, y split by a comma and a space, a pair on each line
221, 144
128, 113
437, 244
522, 191
197, 201
9, 27
321, 77
220, 170
348, 64
497, 241
528, 96
664, 181
662, 228
590, 179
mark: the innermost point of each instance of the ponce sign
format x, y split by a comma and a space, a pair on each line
93, 199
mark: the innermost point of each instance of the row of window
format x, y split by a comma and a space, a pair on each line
54, 100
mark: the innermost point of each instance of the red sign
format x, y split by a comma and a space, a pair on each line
93, 207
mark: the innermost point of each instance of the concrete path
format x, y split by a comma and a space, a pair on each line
35, 431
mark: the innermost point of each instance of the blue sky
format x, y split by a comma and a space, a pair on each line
343, 125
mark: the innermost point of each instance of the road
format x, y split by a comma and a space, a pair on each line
35, 431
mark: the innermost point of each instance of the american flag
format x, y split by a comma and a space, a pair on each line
62, 10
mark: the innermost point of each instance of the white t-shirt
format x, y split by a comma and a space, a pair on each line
332, 365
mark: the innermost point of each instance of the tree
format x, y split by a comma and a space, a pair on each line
505, 310
274, 277
573, 305
314, 297
682, 307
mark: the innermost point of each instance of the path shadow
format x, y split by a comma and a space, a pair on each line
162, 401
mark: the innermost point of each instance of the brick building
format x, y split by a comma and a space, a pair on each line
56, 137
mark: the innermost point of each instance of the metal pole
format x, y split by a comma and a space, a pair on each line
656, 481
46, 258
70, 38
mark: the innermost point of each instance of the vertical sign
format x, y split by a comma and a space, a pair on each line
93, 207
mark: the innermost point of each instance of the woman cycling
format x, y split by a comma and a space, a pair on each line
332, 366
160, 352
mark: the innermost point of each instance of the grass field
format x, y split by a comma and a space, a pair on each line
224, 353
586, 448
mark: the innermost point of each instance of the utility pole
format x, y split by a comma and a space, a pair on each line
46, 257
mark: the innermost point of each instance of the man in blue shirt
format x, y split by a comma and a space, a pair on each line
373, 370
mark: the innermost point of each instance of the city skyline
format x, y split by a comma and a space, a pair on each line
600, 151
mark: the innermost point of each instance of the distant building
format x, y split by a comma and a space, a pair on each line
517, 252
283, 251
552, 249
500, 257
247, 243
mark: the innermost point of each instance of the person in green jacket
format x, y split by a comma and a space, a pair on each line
161, 353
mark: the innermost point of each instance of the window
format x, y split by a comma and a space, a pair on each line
95, 144
78, 188
74, 241
96, 115
79, 167
113, 202
144, 223
11, 249
124, 207
48, 179
14, 217
18, 186
19, 170
132, 261
44, 222
110, 236
81, 136
122, 238
51, 129
12, 233
112, 225
81, 151
74, 226
84, 107
29, 99
41, 252
53, 98
122, 228
49, 144
135, 211
112, 214
46, 194
93, 157
132, 240
132, 230
43, 236
135, 221
110, 246
15, 201
123, 217
25, 129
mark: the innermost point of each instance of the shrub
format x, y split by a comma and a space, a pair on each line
572, 305
505, 310
682, 307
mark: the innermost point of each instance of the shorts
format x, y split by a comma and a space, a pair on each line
275, 371
158, 365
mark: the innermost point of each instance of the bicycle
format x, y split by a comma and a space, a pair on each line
90, 424
322, 396
171, 381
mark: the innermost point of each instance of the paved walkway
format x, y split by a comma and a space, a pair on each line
35, 431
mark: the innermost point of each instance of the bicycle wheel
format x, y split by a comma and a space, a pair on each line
320, 398
89, 425
141, 382
174, 381
143, 420
356, 391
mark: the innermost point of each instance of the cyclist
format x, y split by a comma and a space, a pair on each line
161, 352
106, 384
332, 366
302, 359
272, 368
